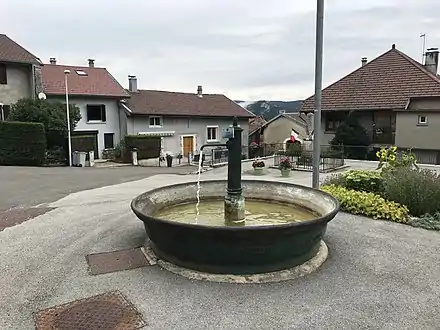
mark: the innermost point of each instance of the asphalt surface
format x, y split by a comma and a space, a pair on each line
379, 275
29, 186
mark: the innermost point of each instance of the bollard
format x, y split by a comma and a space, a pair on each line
134, 157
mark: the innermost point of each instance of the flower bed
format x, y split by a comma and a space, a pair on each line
398, 185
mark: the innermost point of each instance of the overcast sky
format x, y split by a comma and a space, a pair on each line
247, 49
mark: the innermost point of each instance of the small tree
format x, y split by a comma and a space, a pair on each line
51, 114
353, 136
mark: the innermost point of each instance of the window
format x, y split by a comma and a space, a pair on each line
212, 133
96, 113
155, 122
4, 112
3, 74
81, 73
333, 120
109, 140
422, 120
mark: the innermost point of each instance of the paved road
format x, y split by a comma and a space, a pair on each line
29, 186
379, 275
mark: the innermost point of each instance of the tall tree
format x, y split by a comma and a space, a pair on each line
51, 114
353, 136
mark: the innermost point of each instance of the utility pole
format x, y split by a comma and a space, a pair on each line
318, 93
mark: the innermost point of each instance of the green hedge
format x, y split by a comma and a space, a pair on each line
147, 146
83, 143
22, 143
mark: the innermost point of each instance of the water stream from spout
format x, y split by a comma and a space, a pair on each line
199, 173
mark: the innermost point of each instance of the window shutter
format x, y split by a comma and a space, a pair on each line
6, 110
103, 116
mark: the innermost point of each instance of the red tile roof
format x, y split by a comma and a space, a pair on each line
10, 51
97, 82
387, 82
255, 123
151, 102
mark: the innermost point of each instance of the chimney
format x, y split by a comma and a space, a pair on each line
91, 62
431, 60
132, 84
199, 91
53, 60
364, 61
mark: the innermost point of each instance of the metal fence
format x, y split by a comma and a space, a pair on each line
305, 162
331, 156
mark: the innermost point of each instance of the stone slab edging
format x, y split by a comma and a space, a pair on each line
283, 275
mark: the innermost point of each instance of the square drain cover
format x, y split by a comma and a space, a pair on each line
106, 311
109, 262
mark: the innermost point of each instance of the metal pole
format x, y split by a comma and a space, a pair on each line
318, 92
68, 121
423, 46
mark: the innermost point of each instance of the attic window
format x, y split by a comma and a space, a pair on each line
81, 73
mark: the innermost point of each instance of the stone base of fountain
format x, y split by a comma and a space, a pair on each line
304, 269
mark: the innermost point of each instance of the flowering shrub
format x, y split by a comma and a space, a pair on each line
254, 144
419, 190
258, 164
389, 159
285, 164
368, 204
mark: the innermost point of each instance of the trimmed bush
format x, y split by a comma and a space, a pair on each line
147, 146
419, 190
84, 143
22, 143
368, 204
360, 180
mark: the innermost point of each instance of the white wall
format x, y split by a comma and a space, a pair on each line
185, 126
112, 124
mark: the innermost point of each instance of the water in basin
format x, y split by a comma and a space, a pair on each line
258, 213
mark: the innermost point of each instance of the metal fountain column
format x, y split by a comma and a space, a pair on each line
234, 200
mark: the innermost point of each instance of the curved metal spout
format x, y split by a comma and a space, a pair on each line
213, 145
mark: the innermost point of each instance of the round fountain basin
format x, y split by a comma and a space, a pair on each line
263, 246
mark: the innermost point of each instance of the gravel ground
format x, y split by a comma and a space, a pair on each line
379, 275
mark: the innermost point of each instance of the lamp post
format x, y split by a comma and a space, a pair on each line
66, 73
318, 93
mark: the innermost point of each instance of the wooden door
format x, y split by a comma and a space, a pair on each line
188, 145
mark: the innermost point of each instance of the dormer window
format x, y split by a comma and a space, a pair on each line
81, 73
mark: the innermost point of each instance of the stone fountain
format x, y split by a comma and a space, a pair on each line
280, 227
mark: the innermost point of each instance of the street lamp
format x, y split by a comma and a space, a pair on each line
69, 141
318, 93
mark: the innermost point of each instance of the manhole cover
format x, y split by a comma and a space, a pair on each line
109, 262
15, 216
109, 311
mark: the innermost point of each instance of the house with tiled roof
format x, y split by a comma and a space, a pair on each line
184, 121
396, 99
97, 94
277, 131
19, 74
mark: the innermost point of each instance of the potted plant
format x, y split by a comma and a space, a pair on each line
258, 166
285, 167
169, 159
